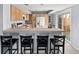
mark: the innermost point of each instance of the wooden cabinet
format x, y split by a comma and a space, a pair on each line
27, 16
30, 17
16, 14
21, 14
12, 13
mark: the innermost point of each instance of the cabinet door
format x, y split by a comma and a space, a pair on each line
13, 13
20, 14
17, 14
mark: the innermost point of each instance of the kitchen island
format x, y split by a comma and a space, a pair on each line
16, 32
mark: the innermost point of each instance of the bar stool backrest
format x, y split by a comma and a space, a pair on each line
41, 39
26, 39
59, 38
5, 38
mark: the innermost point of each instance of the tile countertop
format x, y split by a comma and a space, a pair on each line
24, 29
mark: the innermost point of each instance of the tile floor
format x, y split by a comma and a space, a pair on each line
70, 50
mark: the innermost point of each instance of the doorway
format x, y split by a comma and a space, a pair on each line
40, 22
64, 22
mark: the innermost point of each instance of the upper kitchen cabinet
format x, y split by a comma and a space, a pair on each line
13, 13
16, 14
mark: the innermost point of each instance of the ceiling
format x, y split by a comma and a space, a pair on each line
43, 7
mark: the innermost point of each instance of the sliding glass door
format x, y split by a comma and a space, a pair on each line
67, 24
64, 22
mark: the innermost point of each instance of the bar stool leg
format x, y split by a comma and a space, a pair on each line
10, 50
24, 50
54, 49
21, 49
50, 47
17, 47
1, 50
47, 50
30, 50
63, 49
37, 49
58, 49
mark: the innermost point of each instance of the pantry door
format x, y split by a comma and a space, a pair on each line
40, 22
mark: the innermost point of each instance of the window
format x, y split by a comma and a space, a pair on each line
40, 22
59, 22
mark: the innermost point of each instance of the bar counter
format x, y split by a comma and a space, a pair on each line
16, 32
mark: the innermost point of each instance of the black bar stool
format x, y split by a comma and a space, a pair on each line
7, 43
42, 41
26, 41
57, 42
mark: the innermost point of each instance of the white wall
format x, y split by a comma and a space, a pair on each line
1, 22
6, 16
1, 18
75, 27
